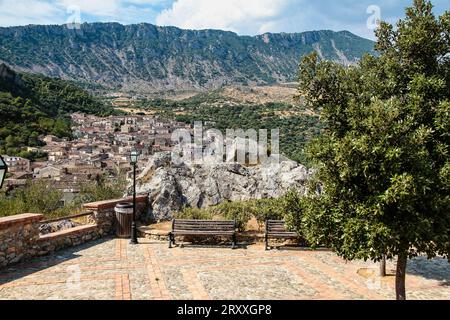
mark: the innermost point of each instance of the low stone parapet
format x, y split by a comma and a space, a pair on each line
20, 237
67, 238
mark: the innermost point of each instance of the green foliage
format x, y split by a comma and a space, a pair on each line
32, 105
241, 212
384, 161
36, 197
268, 209
288, 207
293, 206
103, 188
40, 196
195, 214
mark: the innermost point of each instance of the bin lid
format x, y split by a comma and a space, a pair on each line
124, 205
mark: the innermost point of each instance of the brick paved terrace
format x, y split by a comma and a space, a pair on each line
114, 269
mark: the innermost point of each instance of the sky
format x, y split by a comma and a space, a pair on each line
245, 17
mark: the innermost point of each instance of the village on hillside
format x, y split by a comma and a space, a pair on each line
101, 145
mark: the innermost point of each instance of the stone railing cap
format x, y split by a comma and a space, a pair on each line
107, 204
25, 218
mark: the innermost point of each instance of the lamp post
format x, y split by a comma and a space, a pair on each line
133, 160
3, 171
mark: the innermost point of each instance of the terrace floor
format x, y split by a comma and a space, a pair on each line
114, 269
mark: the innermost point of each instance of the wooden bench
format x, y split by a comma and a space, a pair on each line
203, 228
276, 229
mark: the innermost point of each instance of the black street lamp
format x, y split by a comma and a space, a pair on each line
133, 160
3, 171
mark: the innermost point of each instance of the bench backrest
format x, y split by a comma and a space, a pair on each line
202, 225
276, 226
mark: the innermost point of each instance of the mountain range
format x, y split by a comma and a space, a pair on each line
149, 58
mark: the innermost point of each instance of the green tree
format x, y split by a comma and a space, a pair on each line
37, 196
383, 161
103, 188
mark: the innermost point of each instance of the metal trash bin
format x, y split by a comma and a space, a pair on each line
124, 218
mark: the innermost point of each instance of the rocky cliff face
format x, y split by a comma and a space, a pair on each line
145, 57
171, 187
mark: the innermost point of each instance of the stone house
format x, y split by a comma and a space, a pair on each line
48, 172
17, 164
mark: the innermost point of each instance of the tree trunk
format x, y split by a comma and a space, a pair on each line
400, 277
383, 267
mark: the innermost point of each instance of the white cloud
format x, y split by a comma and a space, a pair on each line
100, 8
23, 12
13, 12
145, 2
243, 16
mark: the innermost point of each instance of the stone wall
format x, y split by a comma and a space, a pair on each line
21, 240
18, 235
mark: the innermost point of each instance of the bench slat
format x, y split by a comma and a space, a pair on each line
203, 224
202, 228
284, 235
190, 232
277, 229
204, 221
200, 224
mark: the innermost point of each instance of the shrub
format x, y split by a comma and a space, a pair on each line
102, 188
36, 196
195, 214
40, 196
289, 207
268, 209
239, 211
293, 206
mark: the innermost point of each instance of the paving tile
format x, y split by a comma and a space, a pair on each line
111, 269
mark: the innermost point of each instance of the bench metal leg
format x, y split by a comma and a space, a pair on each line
233, 246
170, 240
266, 237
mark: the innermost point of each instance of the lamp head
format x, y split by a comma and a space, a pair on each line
134, 155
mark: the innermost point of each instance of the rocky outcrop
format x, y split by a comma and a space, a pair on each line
47, 228
171, 186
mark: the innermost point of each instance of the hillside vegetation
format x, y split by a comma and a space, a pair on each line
32, 105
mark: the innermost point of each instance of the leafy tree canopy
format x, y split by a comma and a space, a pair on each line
383, 161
